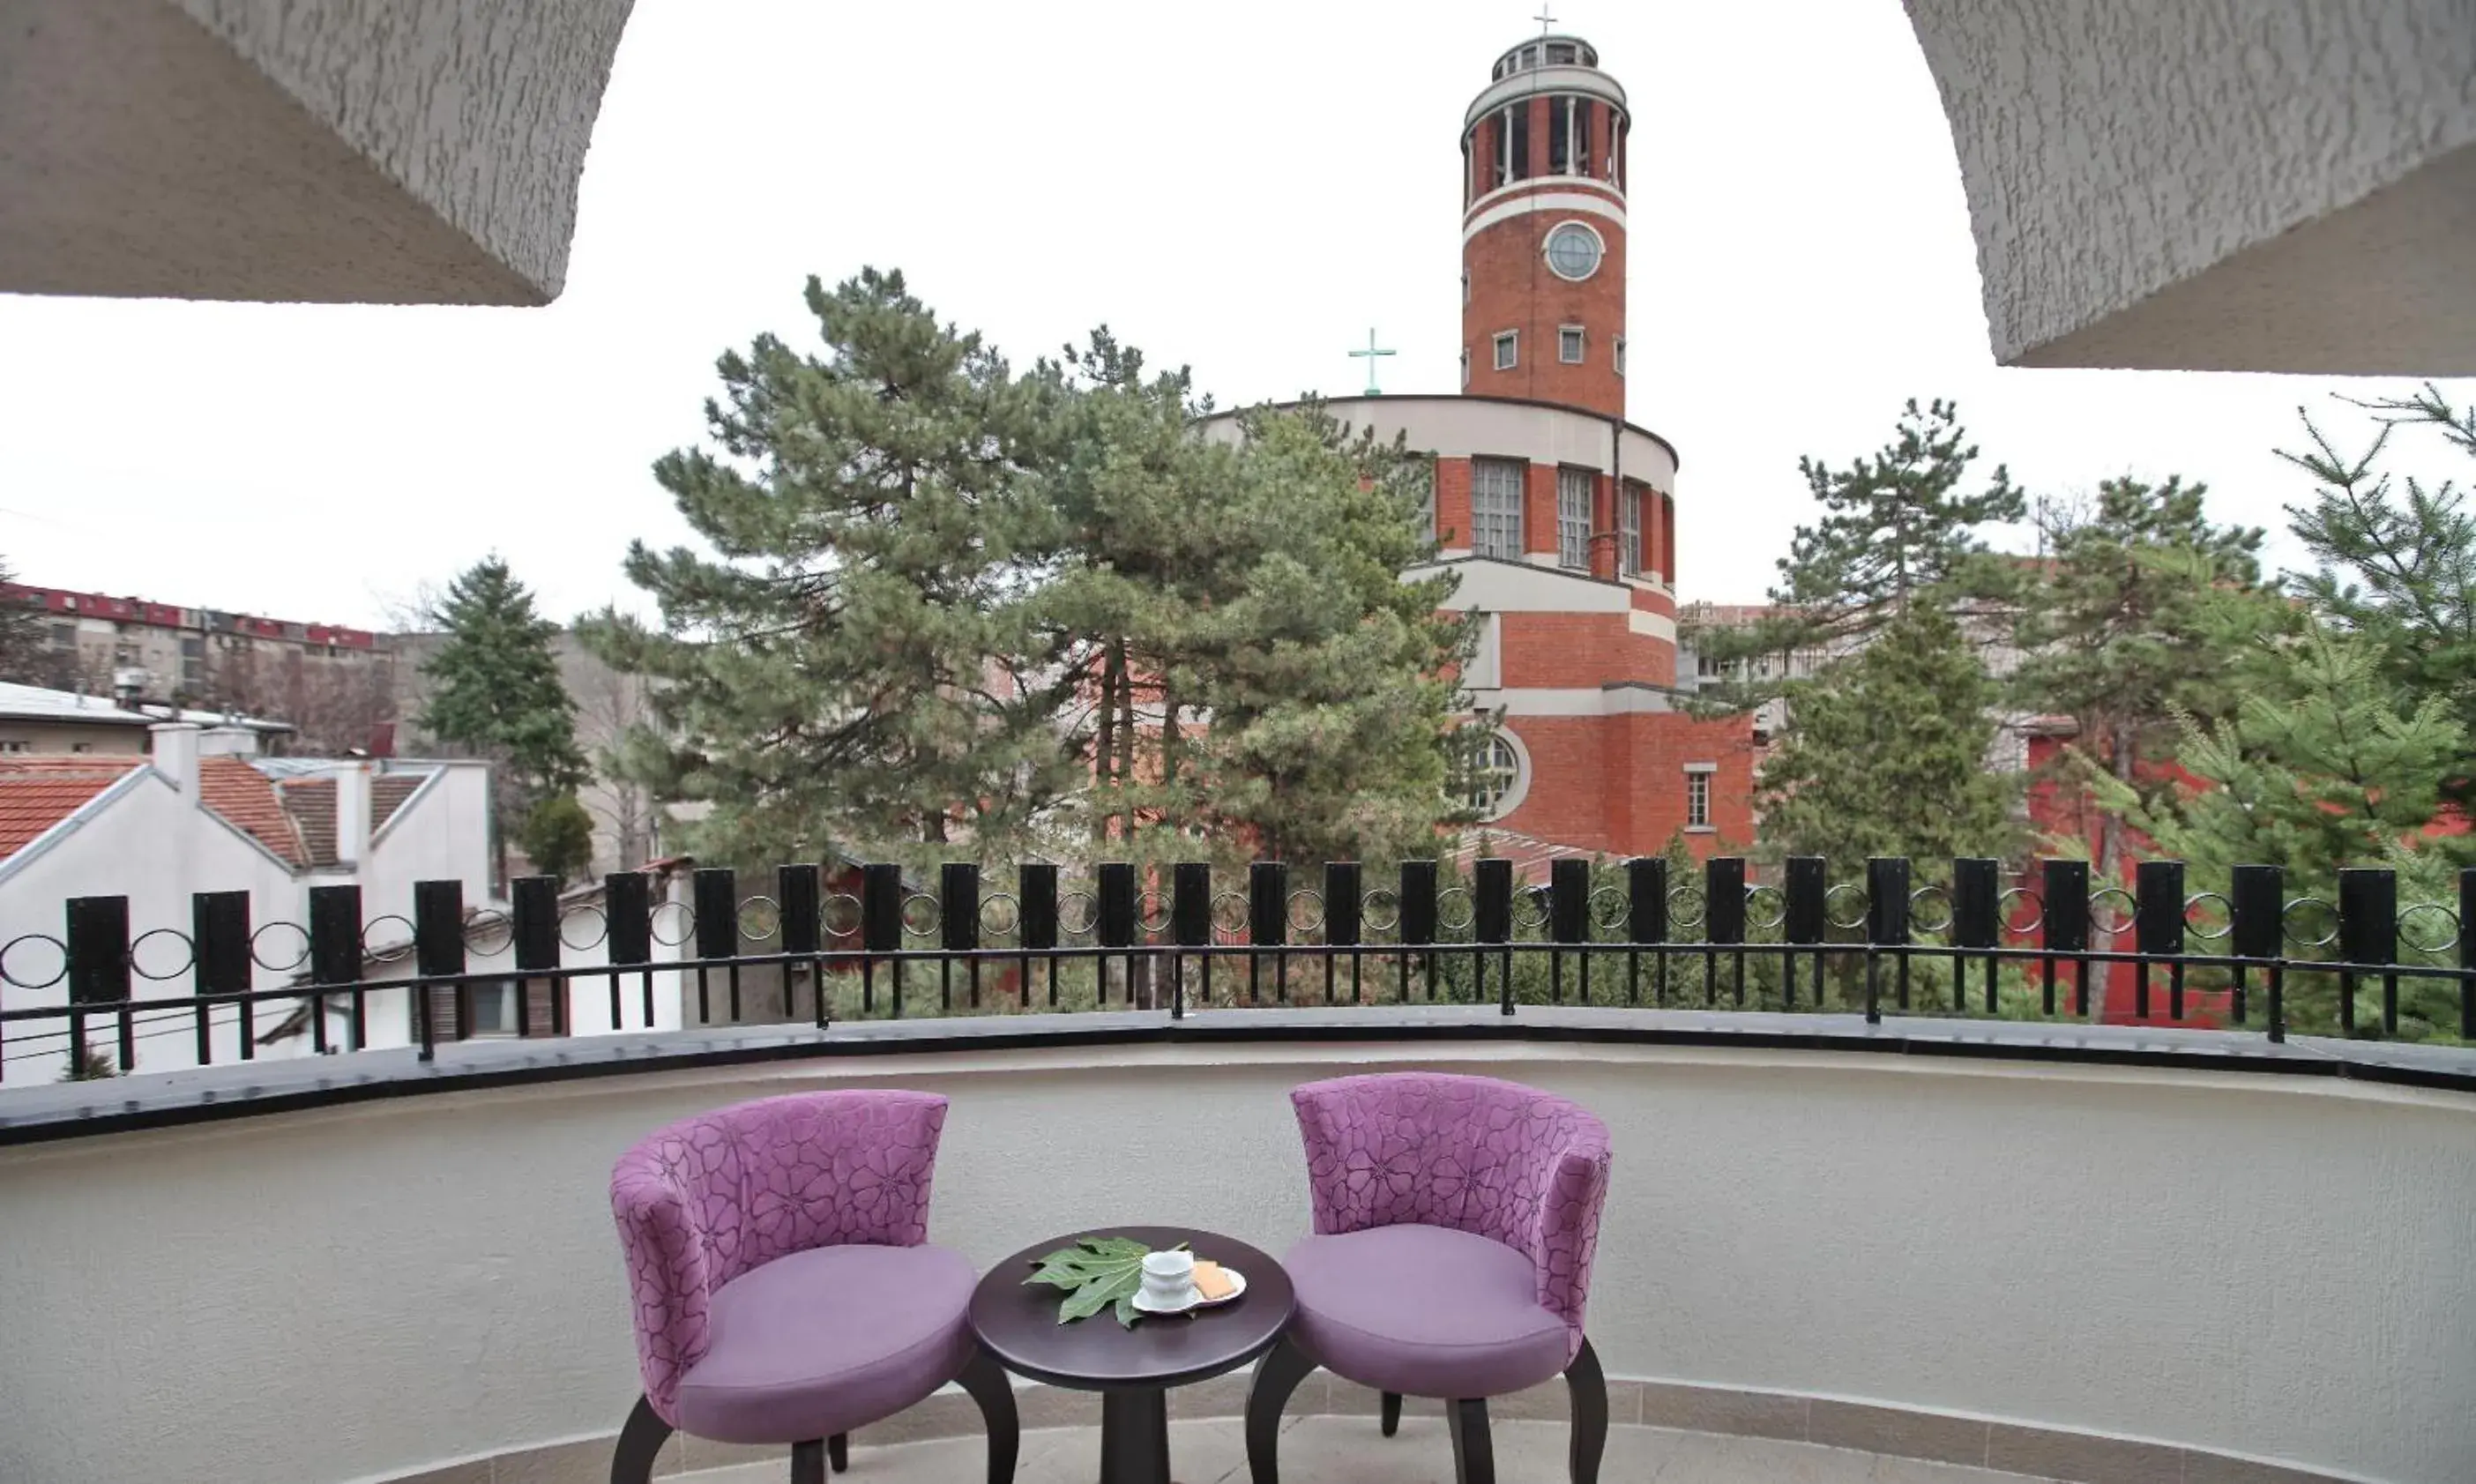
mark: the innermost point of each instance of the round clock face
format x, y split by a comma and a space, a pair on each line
1574, 250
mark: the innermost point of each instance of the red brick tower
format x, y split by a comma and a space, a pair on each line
1543, 230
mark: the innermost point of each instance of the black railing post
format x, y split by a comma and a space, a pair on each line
1647, 924
2467, 953
535, 929
2256, 902
1267, 922
2158, 931
717, 934
881, 930
800, 917
958, 926
1113, 924
1569, 922
1344, 915
2369, 934
1976, 891
627, 910
1492, 922
1035, 893
98, 971
1804, 885
1417, 922
1723, 920
438, 952
219, 930
1190, 920
335, 950
2065, 911
1886, 925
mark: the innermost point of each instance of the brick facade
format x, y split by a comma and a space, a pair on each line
1511, 288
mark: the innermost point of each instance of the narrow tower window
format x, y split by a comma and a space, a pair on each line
1573, 518
1518, 136
1585, 115
1568, 344
1629, 512
1560, 136
1508, 350
1698, 795
1465, 369
1495, 508
1621, 354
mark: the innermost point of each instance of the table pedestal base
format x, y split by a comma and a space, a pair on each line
1134, 1436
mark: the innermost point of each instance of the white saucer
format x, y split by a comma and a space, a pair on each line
1237, 1287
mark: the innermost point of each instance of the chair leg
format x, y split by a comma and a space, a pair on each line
1391, 1412
1474, 1456
640, 1443
1589, 1385
808, 1462
986, 1382
838, 1452
1277, 1375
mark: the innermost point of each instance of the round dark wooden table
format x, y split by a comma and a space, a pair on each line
1131, 1368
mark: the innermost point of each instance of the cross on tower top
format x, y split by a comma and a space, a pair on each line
1546, 22
1369, 355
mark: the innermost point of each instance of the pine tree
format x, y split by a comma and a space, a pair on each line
857, 664
558, 837
2118, 633
2398, 565
1897, 530
1888, 755
25, 656
495, 690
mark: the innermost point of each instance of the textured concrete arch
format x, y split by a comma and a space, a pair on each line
373, 151
2217, 185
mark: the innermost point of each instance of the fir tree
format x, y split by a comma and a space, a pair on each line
558, 837
1888, 753
495, 690
26, 655
854, 664
2118, 634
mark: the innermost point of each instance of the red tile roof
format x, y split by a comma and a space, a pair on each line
241, 794
37, 793
312, 803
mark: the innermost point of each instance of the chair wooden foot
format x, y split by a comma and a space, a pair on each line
986, 1382
1277, 1375
1589, 1385
1391, 1412
838, 1452
808, 1462
1474, 1455
640, 1443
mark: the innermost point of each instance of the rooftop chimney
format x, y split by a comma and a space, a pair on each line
175, 746
353, 813
228, 742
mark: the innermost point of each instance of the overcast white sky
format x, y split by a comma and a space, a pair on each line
1247, 189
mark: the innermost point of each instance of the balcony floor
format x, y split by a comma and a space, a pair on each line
1350, 1451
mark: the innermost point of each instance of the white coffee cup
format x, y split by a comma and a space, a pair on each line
1169, 1279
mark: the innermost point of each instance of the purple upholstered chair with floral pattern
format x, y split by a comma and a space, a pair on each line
1455, 1219
784, 1292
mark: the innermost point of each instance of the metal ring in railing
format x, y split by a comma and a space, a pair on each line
1066, 923
839, 914
922, 925
1530, 908
1834, 894
1752, 889
1006, 925
1230, 912
2020, 894
1314, 920
398, 944
682, 916
2206, 936
1701, 908
1372, 919
58, 974
1932, 889
768, 925
2323, 941
600, 933
2456, 927
1609, 908
1151, 912
187, 947
1470, 909
258, 959
2097, 924
484, 922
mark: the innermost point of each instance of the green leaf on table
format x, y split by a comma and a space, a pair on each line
1128, 1313
1096, 1273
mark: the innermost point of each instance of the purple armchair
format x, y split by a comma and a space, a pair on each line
1455, 1219
784, 1291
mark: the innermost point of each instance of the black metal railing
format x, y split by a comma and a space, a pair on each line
868, 942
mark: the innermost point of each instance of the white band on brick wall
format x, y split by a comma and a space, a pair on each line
1589, 203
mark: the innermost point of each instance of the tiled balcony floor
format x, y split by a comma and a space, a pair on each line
1350, 1450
